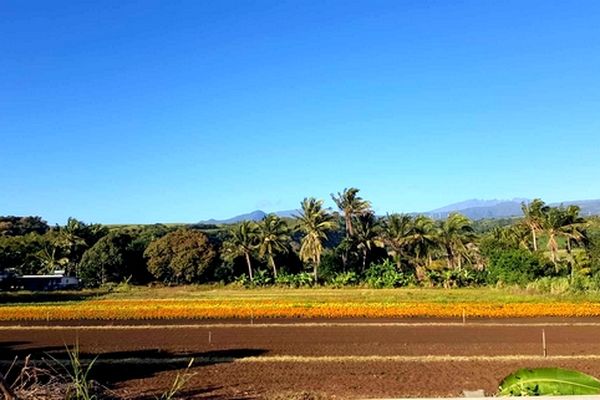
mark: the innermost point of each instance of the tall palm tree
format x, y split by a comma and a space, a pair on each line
366, 235
314, 222
396, 234
553, 224
534, 213
563, 222
243, 241
67, 247
574, 229
454, 234
274, 237
518, 235
351, 205
423, 239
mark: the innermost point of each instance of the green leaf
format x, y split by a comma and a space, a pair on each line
548, 381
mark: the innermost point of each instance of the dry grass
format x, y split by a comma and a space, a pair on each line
27, 380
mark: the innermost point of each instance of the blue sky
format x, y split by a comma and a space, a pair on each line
179, 111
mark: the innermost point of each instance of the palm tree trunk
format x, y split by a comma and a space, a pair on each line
249, 267
535, 247
364, 261
553, 247
316, 267
272, 260
349, 230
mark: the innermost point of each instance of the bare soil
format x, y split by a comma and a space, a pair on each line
240, 361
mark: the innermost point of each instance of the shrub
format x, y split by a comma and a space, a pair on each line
342, 279
385, 275
331, 265
183, 256
434, 278
303, 279
516, 266
263, 277
553, 285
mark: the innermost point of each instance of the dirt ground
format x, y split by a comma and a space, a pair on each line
291, 359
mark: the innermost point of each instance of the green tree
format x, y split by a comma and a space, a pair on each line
274, 237
315, 223
453, 235
183, 256
111, 259
534, 215
242, 242
351, 205
19, 226
21, 253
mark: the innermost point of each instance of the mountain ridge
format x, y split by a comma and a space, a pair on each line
473, 208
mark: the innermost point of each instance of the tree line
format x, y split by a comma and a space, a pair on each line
349, 246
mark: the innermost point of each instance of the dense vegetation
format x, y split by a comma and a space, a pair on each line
549, 248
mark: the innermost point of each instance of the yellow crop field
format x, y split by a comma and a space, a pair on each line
165, 309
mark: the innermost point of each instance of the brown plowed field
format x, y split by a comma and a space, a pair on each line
289, 359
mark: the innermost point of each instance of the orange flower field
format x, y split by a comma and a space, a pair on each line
210, 309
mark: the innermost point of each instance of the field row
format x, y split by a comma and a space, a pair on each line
191, 309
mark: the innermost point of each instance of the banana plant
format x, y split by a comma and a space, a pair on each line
548, 382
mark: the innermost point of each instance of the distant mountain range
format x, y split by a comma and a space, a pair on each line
256, 215
474, 209
480, 209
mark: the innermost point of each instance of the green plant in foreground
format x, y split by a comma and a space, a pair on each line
80, 385
180, 381
547, 382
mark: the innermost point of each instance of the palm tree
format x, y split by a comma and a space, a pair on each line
563, 222
366, 235
51, 260
242, 243
423, 238
574, 232
351, 205
553, 224
315, 222
454, 235
397, 230
274, 237
518, 236
574, 228
533, 217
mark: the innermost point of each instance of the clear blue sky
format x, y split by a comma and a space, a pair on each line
178, 111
